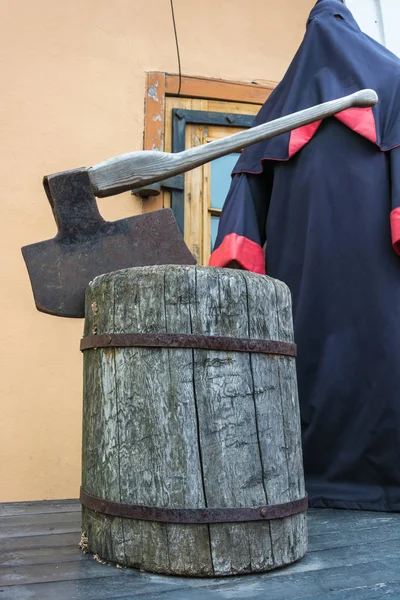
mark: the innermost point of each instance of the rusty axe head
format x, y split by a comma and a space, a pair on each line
86, 245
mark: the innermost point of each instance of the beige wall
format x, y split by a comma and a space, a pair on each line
72, 90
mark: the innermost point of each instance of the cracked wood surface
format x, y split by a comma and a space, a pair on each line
191, 428
136, 169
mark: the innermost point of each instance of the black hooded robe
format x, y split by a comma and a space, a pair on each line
326, 200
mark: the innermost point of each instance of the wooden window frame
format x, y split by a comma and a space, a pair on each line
160, 85
180, 119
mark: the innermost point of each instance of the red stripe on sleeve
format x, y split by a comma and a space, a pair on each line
247, 253
395, 226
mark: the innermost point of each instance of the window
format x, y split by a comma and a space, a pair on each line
205, 111
378, 19
198, 203
219, 175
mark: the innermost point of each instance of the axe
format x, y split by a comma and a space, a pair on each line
86, 245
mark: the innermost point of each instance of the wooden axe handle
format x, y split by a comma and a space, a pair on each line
136, 169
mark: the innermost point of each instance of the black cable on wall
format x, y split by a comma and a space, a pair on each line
177, 47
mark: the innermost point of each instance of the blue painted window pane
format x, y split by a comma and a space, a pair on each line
214, 230
221, 170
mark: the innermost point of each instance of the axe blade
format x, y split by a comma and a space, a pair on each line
87, 246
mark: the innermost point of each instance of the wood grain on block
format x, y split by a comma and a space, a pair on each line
191, 428
136, 169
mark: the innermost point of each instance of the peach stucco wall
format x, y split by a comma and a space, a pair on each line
72, 91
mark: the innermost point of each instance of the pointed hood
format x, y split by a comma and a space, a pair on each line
335, 59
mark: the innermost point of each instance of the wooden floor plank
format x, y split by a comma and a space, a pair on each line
18, 560
352, 556
378, 591
42, 556
316, 585
40, 519
54, 549
340, 515
37, 542
35, 530
317, 540
343, 537
84, 567
42, 507
89, 589
329, 519
51, 527
337, 584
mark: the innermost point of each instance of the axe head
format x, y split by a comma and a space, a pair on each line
87, 246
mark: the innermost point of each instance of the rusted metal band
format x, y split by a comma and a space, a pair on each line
194, 515
182, 340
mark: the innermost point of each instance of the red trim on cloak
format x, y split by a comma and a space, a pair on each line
239, 248
360, 120
395, 227
301, 136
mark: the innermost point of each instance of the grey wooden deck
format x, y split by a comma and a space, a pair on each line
352, 555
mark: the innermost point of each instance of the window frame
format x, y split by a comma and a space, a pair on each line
160, 85
180, 119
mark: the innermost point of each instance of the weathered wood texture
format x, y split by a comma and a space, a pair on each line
191, 428
136, 169
352, 556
